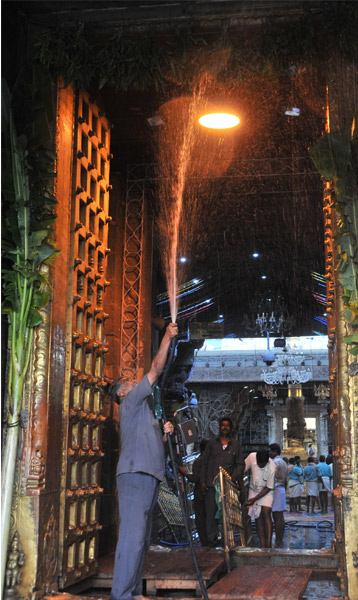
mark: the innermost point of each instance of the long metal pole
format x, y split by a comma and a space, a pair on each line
225, 527
176, 476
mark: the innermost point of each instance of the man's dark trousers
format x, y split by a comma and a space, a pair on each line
212, 524
137, 495
200, 516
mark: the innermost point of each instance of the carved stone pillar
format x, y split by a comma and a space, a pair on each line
322, 442
341, 98
36, 505
271, 423
322, 394
346, 454
274, 413
295, 417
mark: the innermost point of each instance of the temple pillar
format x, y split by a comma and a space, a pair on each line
271, 416
319, 432
35, 522
341, 99
322, 394
323, 438
275, 416
295, 420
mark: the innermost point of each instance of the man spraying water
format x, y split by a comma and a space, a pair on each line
139, 472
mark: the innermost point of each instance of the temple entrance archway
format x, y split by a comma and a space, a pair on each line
55, 497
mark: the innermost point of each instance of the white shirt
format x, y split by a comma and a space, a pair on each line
260, 476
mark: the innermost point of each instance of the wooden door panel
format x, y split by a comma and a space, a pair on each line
82, 463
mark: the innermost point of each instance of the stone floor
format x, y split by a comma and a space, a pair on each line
322, 590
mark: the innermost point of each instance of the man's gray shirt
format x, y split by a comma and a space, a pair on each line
142, 448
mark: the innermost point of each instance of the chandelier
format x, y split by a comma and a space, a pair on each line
269, 323
322, 393
268, 315
271, 394
288, 369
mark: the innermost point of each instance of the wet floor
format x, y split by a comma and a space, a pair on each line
322, 590
303, 531
308, 531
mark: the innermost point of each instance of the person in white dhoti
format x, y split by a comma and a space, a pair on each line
262, 483
329, 462
279, 493
295, 483
312, 477
325, 486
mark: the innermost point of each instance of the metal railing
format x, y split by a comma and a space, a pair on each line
234, 514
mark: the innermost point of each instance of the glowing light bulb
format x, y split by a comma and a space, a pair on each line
219, 121
183, 259
255, 255
263, 276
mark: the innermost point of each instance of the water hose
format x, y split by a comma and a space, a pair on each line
176, 475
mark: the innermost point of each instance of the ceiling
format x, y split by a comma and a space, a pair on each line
259, 192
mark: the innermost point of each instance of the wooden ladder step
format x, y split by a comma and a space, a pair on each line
175, 570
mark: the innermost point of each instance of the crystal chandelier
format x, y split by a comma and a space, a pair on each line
269, 323
270, 393
268, 315
288, 369
322, 393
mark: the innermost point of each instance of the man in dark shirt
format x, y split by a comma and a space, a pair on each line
222, 452
139, 472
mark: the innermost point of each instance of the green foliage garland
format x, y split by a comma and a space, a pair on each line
28, 219
28, 203
143, 61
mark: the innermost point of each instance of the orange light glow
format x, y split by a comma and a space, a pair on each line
219, 121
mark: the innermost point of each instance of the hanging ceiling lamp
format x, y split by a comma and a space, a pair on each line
219, 120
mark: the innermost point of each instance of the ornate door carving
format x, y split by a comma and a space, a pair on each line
82, 449
132, 273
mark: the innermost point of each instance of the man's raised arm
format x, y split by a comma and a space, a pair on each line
158, 362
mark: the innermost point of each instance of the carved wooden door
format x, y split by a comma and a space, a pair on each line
82, 449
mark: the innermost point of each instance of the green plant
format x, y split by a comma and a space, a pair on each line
27, 221
336, 158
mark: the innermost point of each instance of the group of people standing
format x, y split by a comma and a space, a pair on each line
270, 477
317, 476
267, 490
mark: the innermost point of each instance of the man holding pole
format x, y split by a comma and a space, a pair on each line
139, 472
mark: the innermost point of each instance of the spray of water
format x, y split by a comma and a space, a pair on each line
220, 202
186, 155
178, 187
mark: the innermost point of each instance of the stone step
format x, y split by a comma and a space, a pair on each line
279, 557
